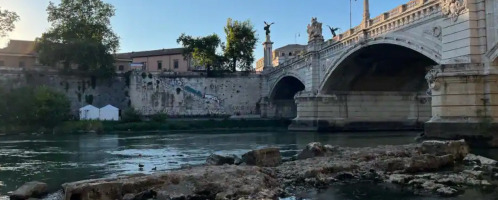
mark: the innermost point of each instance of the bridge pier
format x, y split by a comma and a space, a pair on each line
361, 111
464, 104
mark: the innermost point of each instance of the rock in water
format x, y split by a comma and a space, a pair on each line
458, 148
269, 157
31, 189
479, 160
316, 149
447, 191
215, 159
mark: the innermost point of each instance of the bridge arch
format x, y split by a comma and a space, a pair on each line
432, 53
282, 95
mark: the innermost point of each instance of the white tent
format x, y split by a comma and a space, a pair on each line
109, 113
89, 112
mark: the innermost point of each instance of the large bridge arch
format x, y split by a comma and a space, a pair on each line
431, 51
376, 84
282, 94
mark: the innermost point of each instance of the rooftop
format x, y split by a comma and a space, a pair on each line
159, 52
19, 47
291, 46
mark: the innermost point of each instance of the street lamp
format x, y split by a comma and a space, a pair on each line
351, 14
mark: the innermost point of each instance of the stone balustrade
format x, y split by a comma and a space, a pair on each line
412, 12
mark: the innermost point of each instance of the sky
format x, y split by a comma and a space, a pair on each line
156, 24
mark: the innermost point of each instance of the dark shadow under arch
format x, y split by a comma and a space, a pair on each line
380, 67
282, 97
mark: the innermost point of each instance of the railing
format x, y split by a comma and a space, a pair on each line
399, 17
396, 18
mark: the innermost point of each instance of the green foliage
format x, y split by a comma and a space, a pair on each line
240, 44
127, 76
130, 115
35, 107
80, 34
203, 125
89, 99
202, 49
93, 82
159, 118
7, 21
79, 126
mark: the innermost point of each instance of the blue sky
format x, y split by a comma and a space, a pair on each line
156, 24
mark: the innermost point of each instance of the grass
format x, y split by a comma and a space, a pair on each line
193, 125
154, 125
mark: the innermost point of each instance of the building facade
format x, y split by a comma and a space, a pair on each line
282, 54
19, 53
162, 60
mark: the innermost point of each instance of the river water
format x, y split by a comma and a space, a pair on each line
56, 159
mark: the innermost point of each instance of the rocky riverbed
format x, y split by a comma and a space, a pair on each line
442, 168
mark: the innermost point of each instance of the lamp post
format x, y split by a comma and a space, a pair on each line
351, 14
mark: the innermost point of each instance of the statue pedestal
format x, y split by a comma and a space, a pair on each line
268, 56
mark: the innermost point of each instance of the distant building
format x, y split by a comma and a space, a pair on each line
19, 53
281, 55
169, 60
22, 54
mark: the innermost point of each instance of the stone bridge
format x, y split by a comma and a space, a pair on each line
429, 63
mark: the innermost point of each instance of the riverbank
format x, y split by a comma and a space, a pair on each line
431, 168
177, 125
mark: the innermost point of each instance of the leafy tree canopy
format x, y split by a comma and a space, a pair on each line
202, 50
7, 21
80, 34
36, 107
240, 44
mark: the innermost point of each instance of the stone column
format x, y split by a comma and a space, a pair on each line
268, 56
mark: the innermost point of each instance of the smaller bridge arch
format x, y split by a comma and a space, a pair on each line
282, 96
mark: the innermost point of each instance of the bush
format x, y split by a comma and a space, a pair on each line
36, 107
159, 118
130, 115
79, 126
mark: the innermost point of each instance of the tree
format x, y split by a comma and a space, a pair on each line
33, 107
240, 44
50, 107
202, 50
80, 34
7, 20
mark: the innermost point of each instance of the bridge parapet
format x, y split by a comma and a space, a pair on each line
401, 16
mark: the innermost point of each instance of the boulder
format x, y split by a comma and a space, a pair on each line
237, 160
471, 159
316, 149
426, 162
215, 159
447, 191
431, 185
31, 189
476, 174
201, 182
457, 148
401, 179
268, 157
